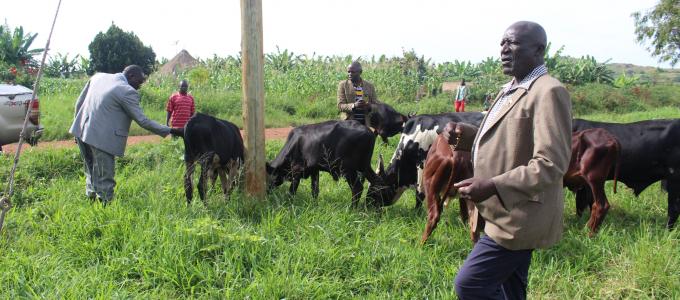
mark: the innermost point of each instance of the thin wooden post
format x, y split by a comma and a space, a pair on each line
252, 72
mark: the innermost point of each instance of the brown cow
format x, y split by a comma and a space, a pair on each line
595, 154
445, 165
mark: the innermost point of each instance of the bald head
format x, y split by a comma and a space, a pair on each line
533, 31
354, 71
134, 75
522, 48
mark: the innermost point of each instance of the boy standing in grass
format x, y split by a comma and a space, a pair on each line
460, 97
180, 107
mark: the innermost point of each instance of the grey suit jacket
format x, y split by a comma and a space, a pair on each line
104, 111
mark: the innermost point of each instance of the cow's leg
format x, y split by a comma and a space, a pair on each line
233, 169
673, 187
600, 204
584, 198
315, 184
188, 185
294, 183
420, 196
420, 190
434, 210
356, 187
202, 181
224, 182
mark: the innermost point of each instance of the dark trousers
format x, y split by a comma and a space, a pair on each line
493, 272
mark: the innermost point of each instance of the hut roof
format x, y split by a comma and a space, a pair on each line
182, 61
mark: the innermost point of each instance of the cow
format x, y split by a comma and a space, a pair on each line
341, 148
406, 165
594, 156
650, 152
385, 120
216, 145
445, 165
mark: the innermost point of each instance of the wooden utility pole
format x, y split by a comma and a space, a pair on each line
252, 73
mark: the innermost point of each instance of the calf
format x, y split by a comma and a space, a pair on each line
341, 148
218, 147
405, 168
445, 165
594, 156
650, 152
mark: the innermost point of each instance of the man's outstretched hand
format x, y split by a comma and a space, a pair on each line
177, 131
476, 189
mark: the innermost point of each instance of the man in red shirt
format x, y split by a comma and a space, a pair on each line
180, 107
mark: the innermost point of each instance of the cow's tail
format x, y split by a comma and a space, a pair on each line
617, 158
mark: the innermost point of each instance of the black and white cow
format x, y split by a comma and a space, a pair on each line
341, 148
217, 146
407, 163
650, 152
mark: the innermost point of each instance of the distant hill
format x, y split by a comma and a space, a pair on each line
647, 74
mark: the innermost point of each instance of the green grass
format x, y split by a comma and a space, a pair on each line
149, 244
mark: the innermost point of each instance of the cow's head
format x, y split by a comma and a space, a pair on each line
274, 177
386, 191
386, 121
401, 174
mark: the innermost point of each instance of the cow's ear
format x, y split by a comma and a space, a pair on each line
269, 168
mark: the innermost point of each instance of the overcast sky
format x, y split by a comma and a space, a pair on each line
444, 30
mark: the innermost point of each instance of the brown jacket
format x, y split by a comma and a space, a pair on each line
526, 152
346, 96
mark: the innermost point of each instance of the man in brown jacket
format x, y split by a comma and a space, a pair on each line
355, 94
520, 155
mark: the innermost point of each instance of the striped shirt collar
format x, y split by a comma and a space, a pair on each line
527, 81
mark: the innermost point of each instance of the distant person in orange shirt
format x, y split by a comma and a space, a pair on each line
180, 107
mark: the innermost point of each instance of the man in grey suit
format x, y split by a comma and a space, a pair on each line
103, 114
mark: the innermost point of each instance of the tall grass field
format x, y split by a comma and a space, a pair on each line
150, 244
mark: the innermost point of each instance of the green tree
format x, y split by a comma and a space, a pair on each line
60, 65
115, 49
661, 27
15, 46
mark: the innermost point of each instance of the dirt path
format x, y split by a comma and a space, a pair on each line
269, 134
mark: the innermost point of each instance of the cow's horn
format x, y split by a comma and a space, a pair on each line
381, 165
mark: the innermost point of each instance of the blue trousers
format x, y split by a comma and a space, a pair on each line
493, 272
99, 172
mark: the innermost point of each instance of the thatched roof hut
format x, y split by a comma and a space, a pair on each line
182, 61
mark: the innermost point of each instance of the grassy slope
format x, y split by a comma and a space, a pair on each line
148, 243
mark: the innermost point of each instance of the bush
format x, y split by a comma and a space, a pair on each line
112, 51
597, 97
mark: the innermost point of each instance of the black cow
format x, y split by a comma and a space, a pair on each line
650, 152
385, 120
406, 167
218, 147
341, 148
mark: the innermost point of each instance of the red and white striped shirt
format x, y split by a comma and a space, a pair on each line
181, 108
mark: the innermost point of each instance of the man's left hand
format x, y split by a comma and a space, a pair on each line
476, 189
